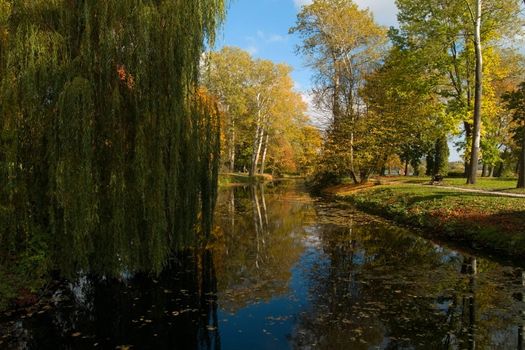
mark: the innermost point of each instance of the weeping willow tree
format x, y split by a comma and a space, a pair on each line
105, 142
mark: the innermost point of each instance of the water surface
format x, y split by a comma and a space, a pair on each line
284, 271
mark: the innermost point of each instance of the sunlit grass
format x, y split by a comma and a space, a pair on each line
487, 220
485, 183
482, 183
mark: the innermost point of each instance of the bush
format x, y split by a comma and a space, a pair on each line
456, 174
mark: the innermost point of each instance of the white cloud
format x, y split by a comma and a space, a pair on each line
271, 38
301, 3
385, 11
252, 49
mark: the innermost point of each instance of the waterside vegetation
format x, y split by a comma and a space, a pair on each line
492, 221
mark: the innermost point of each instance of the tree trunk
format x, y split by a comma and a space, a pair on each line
257, 223
265, 150
466, 125
521, 171
231, 210
336, 111
406, 167
501, 165
257, 145
257, 142
364, 175
484, 170
474, 156
352, 169
231, 149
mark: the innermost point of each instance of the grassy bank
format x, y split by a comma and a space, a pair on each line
507, 185
228, 179
478, 220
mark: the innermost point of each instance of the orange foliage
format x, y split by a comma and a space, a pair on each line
125, 77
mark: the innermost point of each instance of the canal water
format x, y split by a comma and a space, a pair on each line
284, 270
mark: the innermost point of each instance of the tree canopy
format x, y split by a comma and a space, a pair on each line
103, 129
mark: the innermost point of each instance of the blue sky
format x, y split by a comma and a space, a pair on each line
261, 28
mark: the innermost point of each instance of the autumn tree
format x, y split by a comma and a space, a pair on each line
342, 44
264, 116
226, 77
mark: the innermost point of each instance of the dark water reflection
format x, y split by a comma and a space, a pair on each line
284, 271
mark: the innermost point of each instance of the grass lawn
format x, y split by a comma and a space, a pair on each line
480, 220
488, 184
482, 183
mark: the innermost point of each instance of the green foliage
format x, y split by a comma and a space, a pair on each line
441, 156
106, 144
516, 103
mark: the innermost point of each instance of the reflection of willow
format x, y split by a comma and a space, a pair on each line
208, 303
177, 309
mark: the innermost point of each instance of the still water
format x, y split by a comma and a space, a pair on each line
283, 271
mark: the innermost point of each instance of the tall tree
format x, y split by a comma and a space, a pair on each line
226, 77
448, 33
342, 43
478, 94
402, 98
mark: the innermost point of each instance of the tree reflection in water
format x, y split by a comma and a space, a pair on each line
279, 271
377, 286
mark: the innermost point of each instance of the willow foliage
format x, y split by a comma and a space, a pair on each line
105, 141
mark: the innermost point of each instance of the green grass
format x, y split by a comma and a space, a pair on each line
489, 221
482, 183
238, 178
487, 184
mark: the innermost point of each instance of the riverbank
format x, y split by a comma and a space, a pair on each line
479, 220
234, 179
229, 179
